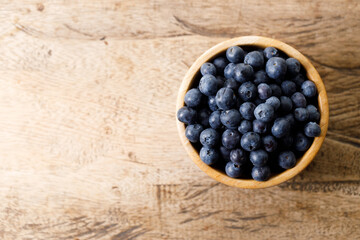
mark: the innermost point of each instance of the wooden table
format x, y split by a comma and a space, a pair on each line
88, 144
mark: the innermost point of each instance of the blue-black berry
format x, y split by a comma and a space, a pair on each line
301, 142
308, 88
238, 156
250, 141
261, 77
230, 118
245, 126
214, 120
312, 129
264, 91
209, 137
261, 173
230, 138
247, 91
233, 170
225, 98
270, 144
280, 128
243, 72
270, 52
276, 67
264, 112
209, 155
235, 54
293, 66
220, 64
186, 115
287, 159
208, 85
274, 102
255, 59
208, 68
229, 70
260, 126
259, 157
192, 132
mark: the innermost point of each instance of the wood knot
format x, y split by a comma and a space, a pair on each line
40, 7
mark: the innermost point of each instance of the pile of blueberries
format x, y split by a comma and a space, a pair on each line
252, 113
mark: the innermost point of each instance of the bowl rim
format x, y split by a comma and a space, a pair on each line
311, 73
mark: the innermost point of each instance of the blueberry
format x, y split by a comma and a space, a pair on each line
298, 100
260, 77
186, 115
225, 98
209, 155
301, 142
274, 102
247, 91
255, 59
276, 67
225, 153
214, 120
264, 112
285, 104
260, 126
308, 88
269, 142
314, 115
208, 68
259, 157
209, 137
231, 83
238, 156
293, 66
261, 173
270, 52
288, 88
203, 117
290, 118
245, 126
250, 141
212, 103
193, 97
247, 110
276, 90
230, 118
264, 91
243, 72
280, 128
220, 64
298, 80
233, 170
208, 85
301, 114
287, 141
192, 132
229, 70
235, 54
230, 138
287, 159
312, 129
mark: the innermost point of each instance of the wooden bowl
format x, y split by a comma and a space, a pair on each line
312, 74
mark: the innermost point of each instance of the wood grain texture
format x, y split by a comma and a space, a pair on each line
89, 146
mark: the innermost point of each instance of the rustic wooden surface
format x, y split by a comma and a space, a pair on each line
89, 147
